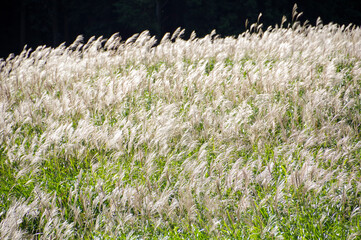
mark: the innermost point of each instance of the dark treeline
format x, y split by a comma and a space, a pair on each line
51, 22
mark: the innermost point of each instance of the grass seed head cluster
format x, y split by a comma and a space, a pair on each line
250, 136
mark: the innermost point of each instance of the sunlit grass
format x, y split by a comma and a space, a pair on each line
254, 136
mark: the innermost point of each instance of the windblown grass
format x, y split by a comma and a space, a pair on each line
255, 136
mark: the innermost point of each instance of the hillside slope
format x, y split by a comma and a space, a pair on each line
255, 136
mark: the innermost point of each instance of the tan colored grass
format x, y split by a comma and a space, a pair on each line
284, 89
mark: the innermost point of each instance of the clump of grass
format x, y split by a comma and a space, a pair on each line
254, 136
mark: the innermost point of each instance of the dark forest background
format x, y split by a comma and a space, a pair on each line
52, 22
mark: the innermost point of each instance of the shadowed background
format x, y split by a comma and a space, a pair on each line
52, 22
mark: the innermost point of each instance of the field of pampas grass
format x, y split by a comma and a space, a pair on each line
249, 137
